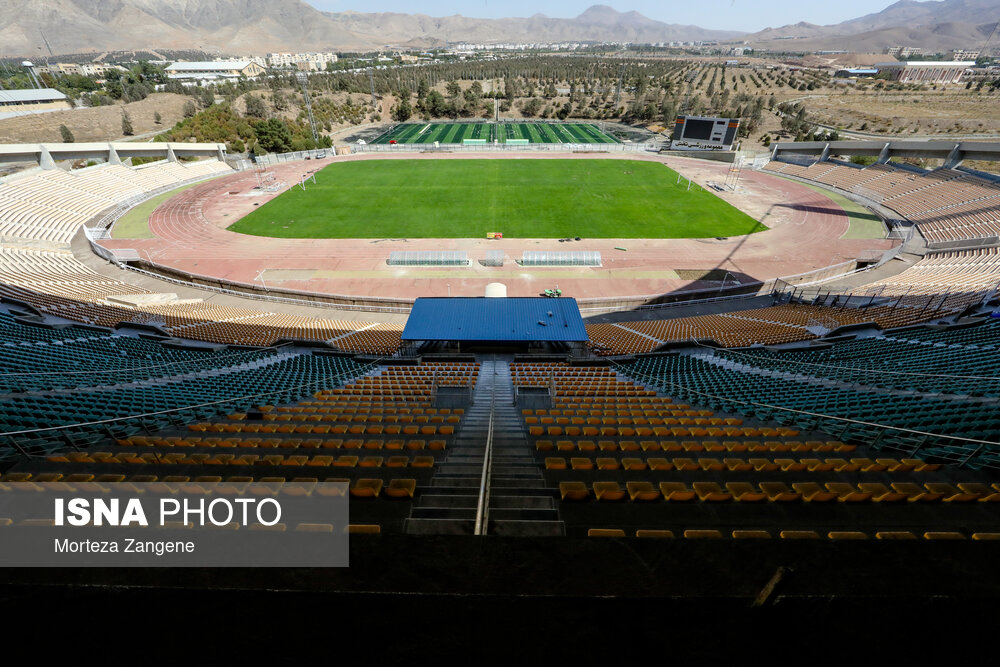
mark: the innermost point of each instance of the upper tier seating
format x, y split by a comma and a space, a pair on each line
946, 205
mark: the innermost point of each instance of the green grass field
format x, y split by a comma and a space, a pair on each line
535, 133
521, 198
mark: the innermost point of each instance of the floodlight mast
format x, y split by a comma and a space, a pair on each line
304, 80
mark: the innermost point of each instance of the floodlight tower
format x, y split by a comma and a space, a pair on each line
371, 80
48, 47
304, 80
29, 67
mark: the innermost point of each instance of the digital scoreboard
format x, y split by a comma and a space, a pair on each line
704, 133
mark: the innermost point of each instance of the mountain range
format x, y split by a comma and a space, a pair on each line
938, 25
261, 26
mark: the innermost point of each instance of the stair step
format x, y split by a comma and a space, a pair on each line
522, 528
518, 493
521, 502
456, 482
448, 500
457, 469
439, 526
523, 514
453, 513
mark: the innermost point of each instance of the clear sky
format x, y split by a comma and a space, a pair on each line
745, 15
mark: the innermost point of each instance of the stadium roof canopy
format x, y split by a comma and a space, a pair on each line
209, 66
508, 320
31, 95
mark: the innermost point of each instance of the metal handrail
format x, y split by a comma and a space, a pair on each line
483, 504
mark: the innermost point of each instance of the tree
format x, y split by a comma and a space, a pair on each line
402, 110
67, 136
531, 107
273, 135
255, 106
189, 109
126, 124
206, 97
157, 118
435, 104
454, 90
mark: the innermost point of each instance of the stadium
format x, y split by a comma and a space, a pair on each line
752, 374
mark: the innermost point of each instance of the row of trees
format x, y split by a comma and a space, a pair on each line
222, 123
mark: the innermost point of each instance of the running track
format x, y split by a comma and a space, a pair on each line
191, 236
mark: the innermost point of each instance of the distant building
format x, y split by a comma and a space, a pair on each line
964, 55
220, 69
925, 71
855, 72
304, 62
24, 102
95, 70
904, 51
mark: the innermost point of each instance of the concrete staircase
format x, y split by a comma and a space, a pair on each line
519, 503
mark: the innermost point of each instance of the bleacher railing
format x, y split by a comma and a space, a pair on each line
483, 502
67, 436
877, 436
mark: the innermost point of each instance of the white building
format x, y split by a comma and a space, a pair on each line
31, 101
219, 69
96, 70
904, 51
926, 71
301, 61
964, 54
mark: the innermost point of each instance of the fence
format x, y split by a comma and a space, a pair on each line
501, 148
965, 244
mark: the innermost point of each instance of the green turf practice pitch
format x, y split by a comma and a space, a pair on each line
520, 198
534, 133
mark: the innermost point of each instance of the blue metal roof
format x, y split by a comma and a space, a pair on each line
514, 319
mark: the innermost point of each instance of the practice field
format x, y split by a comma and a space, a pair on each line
534, 133
520, 198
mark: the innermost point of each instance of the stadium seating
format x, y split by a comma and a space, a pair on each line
51, 206
938, 285
723, 476
372, 427
946, 204
943, 385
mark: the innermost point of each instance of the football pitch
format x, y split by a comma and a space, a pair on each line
520, 198
533, 133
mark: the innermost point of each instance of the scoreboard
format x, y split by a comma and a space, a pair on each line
701, 132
